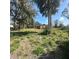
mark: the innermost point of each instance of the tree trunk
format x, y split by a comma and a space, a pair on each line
24, 25
14, 24
33, 23
19, 25
49, 20
49, 15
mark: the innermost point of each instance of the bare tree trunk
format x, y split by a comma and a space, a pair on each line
19, 25
49, 15
33, 23
23, 25
14, 24
49, 20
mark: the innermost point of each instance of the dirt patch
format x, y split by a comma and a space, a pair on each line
24, 51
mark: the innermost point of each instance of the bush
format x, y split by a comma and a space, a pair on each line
45, 32
66, 28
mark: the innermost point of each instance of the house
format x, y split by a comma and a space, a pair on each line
43, 26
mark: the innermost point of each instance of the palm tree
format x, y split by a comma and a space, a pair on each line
47, 8
66, 12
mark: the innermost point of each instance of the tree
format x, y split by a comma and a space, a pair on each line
13, 11
56, 23
26, 6
66, 12
47, 8
37, 23
21, 12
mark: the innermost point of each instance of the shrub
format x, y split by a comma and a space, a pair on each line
45, 32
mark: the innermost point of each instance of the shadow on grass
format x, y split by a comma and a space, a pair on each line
20, 33
44, 32
62, 52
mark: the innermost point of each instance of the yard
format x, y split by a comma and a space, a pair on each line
35, 44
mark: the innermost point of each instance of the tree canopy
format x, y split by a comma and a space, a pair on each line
21, 11
45, 5
66, 12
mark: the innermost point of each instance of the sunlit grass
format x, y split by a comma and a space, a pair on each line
46, 43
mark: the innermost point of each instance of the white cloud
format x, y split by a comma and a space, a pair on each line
61, 19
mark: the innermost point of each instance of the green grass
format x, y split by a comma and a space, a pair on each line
40, 43
38, 50
14, 45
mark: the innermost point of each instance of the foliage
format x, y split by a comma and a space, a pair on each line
37, 23
66, 28
41, 43
56, 23
21, 13
66, 12
38, 51
45, 5
45, 32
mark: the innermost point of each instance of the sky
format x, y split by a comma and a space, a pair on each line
44, 20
